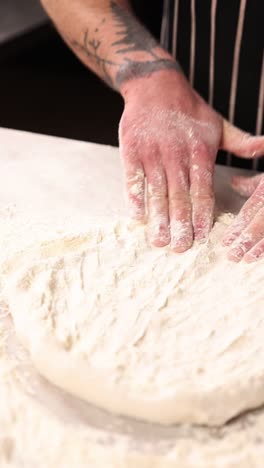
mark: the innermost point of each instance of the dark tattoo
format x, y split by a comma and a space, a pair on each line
135, 38
131, 37
91, 48
131, 69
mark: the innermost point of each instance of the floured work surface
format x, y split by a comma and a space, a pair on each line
236, 444
140, 331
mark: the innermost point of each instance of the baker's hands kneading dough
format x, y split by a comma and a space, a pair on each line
246, 235
169, 138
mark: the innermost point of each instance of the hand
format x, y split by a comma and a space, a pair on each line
246, 234
169, 138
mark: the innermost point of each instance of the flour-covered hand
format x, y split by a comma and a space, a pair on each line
246, 235
169, 139
169, 136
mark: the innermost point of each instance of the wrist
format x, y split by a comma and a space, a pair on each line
135, 68
145, 83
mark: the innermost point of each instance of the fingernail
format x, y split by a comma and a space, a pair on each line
181, 236
227, 241
200, 236
251, 258
182, 245
161, 241
202, 228
159, 234
235, 255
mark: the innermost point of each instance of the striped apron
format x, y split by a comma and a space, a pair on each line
220, 46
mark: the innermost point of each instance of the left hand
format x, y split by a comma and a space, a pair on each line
246, 234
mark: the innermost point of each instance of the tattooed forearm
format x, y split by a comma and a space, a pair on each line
131, 69
91, 48
134, 53
133, 36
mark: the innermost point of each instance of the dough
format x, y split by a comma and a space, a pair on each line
139, 331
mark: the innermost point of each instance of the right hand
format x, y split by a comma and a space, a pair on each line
169, 138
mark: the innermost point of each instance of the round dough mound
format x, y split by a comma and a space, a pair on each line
140, 331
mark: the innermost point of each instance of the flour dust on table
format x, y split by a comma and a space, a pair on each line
139, 331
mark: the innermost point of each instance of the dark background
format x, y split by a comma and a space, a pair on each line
44, 88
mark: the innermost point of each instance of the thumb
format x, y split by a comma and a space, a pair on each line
245, 186
241, 143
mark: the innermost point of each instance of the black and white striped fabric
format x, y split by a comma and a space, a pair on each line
220, 44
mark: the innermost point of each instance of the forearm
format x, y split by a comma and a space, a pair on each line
108, 38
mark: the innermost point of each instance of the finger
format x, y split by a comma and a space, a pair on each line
245, 186
135, 188
158, 217
241, 143
249, 238
179, 205
256, 253
202, 191
246, 215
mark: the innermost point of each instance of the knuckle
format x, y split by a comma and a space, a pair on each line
129, 149
176, 197
202, 178
179, 200
156, 194
203, 195
152, 158
157, 183
202, 153
200, 147
175, 153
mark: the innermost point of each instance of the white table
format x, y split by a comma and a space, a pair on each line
48, 185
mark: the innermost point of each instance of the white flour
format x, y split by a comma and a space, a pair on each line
50, 186
139, 331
